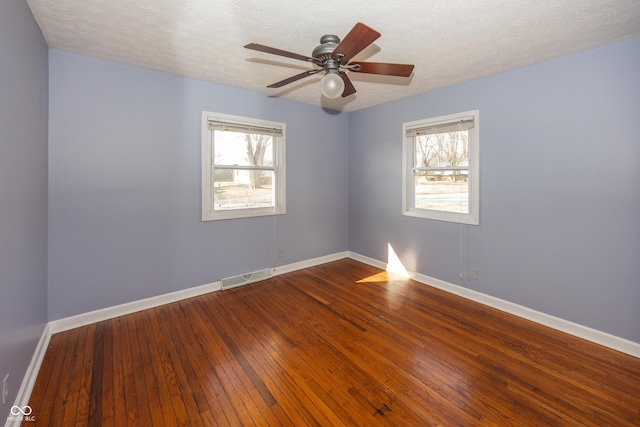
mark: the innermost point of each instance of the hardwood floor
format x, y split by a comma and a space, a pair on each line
337, 344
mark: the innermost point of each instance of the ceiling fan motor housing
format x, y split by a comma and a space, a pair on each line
328, 44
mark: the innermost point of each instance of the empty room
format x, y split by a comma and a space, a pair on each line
238, 212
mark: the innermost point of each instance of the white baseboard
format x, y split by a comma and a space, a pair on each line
590, 334
55, 326
309, 263
29, 380
366, 260
84, 319
143, 304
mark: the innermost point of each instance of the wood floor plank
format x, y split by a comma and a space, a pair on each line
213, 362
351, 379
188, 383
247, 387
86, 374
46, 384
75, 377
260, 336
154, 372
219, 410
243, 343
505, 347
341, 343
119, 396
168, 364
61, 395
374, 365
101, 399
145, 414
290, 394
146, 374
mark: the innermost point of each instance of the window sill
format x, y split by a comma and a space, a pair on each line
241, 213
460, 218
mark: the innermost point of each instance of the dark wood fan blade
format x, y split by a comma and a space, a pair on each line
400, 70
274, 51
294, 78
349, 89
358, 38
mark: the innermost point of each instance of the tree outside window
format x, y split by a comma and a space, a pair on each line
243, 167
441, 168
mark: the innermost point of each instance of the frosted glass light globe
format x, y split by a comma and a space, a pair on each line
332, 85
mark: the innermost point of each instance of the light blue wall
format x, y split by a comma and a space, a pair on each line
124, 212
560, 188
23, 191
560, 192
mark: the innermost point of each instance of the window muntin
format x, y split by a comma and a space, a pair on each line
243, 167
441, 168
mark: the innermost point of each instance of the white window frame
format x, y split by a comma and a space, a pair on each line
408, 180
279, 177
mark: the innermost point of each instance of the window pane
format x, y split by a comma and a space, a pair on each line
243, 167
442, 149
242, 149
242, 189
442, 190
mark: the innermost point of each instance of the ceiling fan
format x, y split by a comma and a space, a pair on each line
333, 56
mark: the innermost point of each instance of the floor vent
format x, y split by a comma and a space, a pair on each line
244, 279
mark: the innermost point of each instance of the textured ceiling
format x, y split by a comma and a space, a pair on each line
449, 41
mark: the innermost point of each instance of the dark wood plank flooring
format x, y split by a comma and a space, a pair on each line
338, 344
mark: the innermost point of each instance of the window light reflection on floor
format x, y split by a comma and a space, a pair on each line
394, 267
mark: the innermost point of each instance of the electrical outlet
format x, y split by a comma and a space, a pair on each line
474, 273
281, 252
5, 389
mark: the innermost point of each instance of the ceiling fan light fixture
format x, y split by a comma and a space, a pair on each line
332, 85
334, 54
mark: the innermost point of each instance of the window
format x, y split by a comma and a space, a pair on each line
243, 167
441, 168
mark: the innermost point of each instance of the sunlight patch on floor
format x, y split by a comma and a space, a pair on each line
394, 268
380, 277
